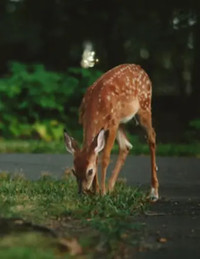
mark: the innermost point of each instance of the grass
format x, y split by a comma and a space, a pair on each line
83, 226
31, 146
26, 245
139, 148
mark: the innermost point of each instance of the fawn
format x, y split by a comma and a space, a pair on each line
114, 99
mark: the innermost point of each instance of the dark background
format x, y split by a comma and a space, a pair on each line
162, 36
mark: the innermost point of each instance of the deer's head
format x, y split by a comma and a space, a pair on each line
85, 160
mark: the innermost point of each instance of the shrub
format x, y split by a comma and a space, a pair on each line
192, 134
36, 103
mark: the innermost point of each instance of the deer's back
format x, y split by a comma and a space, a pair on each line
117, 94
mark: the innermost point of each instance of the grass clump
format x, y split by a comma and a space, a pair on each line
97, 224
47, 197
26, 246
31, 146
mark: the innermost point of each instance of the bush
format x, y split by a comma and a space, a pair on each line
192, 134
36, 103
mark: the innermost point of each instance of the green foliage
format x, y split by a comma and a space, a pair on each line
26, 246
31, 146
139, 148
195, 124
22, 198
192, 149
56, 205
37, 103
193, 133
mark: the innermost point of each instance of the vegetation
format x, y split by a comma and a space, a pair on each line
36, 103
139, 148
53, 206
41, 87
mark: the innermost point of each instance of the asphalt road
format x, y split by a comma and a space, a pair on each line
172, 224
178, 177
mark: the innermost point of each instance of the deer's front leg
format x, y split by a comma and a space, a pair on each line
124, 147
106, 157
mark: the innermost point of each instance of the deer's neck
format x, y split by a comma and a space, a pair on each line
90, 131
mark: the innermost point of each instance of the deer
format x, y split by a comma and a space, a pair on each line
111, 101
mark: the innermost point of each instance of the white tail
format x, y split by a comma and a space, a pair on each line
114, 99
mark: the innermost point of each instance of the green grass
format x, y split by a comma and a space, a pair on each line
97, 223
31, 146
139, 148
22, 198
27, 246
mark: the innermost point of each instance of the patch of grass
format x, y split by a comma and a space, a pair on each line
98, 223
139, 148
31, 146
46, 197
192, 149
27, 246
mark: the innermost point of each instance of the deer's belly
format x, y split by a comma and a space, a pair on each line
129, 111
127, 118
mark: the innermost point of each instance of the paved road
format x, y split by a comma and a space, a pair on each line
172, 224
179, 177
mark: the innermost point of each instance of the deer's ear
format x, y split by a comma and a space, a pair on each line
100, 141
71, 144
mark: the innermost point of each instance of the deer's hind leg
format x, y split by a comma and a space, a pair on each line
124, 147
146, 122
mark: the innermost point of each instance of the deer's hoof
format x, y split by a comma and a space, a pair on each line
103, 192
111, 186
153, 196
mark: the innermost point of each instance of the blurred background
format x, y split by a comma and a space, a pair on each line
51, 51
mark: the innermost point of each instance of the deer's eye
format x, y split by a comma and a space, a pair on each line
90, 172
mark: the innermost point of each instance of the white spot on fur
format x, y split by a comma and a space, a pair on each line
108, 97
